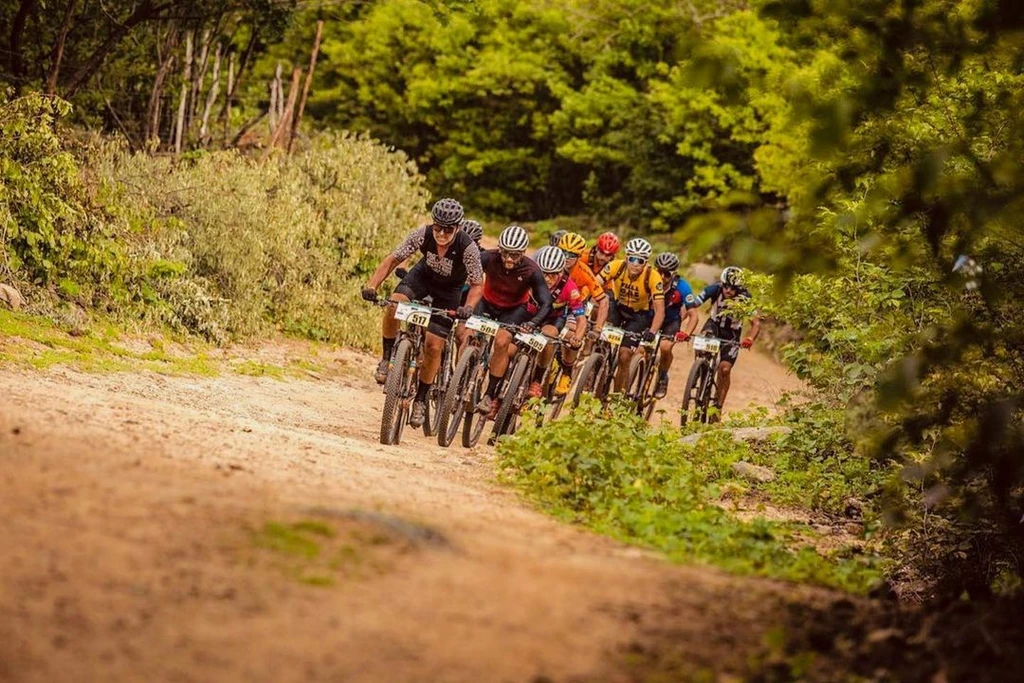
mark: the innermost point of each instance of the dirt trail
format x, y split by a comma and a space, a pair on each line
135, 509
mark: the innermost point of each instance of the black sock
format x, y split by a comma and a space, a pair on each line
492, 385
421, 391
389, 346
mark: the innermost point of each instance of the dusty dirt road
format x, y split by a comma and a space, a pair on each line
142, 540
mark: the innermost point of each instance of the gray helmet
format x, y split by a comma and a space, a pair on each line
732, 276
667, 261
472, 228
556, 237
446, 212
513, 238
550, 259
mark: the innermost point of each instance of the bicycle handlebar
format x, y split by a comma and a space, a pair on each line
440, 312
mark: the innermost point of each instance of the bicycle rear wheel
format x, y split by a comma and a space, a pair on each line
394, 414
435, 397
695, 394
454, 405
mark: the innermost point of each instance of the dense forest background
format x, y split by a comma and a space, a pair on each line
863, 159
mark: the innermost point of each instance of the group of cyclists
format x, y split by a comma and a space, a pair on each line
565, 284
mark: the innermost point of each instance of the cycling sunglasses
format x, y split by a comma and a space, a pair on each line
570, 254
511, 255
445, 229
636, 260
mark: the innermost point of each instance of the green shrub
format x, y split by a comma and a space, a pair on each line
618, 476
214, 244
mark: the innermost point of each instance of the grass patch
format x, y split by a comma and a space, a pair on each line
620, 477
38, 342
316, 553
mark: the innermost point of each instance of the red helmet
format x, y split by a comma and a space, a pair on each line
608, 243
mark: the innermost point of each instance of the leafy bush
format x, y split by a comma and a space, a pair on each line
618, 476
211, 243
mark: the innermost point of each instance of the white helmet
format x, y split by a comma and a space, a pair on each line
638, 246
550, 259
513, 238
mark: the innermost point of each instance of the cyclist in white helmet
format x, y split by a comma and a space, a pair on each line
638, 300
511, 279
568, 308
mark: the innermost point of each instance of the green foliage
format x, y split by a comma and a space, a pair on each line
211, 244
618, 476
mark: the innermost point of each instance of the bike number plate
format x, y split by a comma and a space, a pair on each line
709, 344
536, 341
613, 335
414, 314
484, 325
589, 308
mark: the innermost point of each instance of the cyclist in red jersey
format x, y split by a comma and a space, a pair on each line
510, 278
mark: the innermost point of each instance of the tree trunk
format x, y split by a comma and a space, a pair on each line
57, 53
286, 116
198, 76
144, 11
17, 33
204, 130
166, 61
305, 87
186, 83
225, 112
275, 98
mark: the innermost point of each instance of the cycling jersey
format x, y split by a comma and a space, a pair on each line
510, 288
639, 293
720, 305
678, 295
585, 279
568, 301
460, 262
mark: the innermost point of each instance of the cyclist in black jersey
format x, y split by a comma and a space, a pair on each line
450, 258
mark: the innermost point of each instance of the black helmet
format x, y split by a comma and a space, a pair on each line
556, 237
472, 228
447, 212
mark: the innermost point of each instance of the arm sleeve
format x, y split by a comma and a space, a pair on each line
710, 292
471, 257
686, 291
542, 295
412, 242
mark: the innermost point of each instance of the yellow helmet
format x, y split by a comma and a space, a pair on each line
573, 243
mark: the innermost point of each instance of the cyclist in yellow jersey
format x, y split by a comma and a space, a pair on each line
638, 297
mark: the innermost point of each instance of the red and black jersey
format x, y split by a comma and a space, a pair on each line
505, 288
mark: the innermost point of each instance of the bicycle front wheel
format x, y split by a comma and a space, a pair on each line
515, 386
695, 394
393, 417
454, 405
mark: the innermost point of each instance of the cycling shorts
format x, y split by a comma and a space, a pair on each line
729, 352
417, 286
671, 327
514, 315
631, 321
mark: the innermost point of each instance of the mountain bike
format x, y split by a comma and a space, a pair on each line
514, 393
643, 374
404, 365
466, 385
699, 393
597, 371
